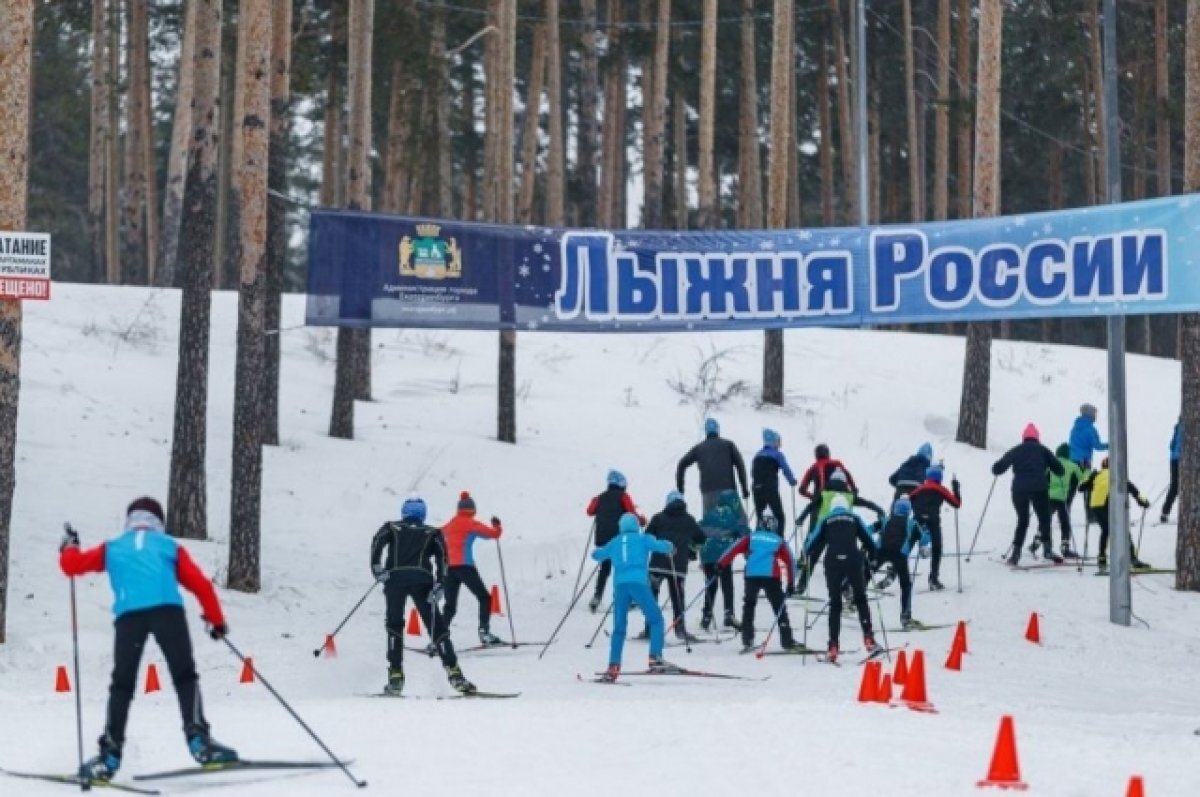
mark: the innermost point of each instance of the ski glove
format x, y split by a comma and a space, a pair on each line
218, 631
70, 538
745, 494
1143, 502
435, 594
381, 575
495, 522
955, 486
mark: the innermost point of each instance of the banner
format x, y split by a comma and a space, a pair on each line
371, 270
24, 265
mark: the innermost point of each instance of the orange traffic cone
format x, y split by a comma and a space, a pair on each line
914, 695
884, 695
152, 684
901, 673
329, 649
1005, 771
1136, 787
868, 690
496, 610
960, 636
247, 671
62, 683
954, 660
1034, 632
414, 623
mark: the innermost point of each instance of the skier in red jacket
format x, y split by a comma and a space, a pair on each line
460, 535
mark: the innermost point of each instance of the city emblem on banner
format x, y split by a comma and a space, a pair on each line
430, 256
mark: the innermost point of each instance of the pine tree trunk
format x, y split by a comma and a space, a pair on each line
941, 145
589, 121
442, 104
1092, 14
150, 169
187, 508
133, 222
112, 209
506, 413
277, 232
249, 214
16, 51
794, 205
395, 194
874, 145
529, 143
1090, 187
225, 276
750, 198
168, 246
777, 198
613, 135
556, 151
1187, 545
845, 126
825, 126
655, 123
1162, 105
98, 135
977, 368
963, 108
707, 216
679, 123
916, 210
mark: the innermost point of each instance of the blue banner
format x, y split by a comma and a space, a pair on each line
372, 270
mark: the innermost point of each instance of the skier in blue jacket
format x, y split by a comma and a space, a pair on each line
630, 553
764, 477
1085, 440
1173, 489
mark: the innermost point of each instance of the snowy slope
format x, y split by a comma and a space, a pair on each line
1094, 704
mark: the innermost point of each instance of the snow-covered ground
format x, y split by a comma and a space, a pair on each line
1094, 704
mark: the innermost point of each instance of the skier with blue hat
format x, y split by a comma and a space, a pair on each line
607, 508
911, 472
718, 461
677, 526
765, 468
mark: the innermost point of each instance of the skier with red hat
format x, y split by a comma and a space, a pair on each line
1030, 460
460, 535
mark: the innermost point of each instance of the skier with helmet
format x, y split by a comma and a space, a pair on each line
926, 501
911, 472
768, 560
718, 461
764, 477
896, 538
409, 557
607, 508
842, 532
1084, 439
1030, 460
460, 535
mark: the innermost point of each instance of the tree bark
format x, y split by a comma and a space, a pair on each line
441, 112
825, 126
506, 411
168, 246
249, 213
679, 123
1092, 13
777, 199
98, 135
1162, 106
845, 125
187, 512
941, 134
655, 123
707, 216
613, 136
1090, 187
916, 210
395, 194
112, 208
589, 121
277, 232
963, 109
1187, 545
533, 113
556, 151
150, 169
225, 276
750, 197
16, 54
977, 368
133, 223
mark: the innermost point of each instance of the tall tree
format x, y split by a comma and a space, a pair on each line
707, 217
654, 126
750, 199
825, 126
1162, 105
506, 411
442, 105
16, 51
611, 213
277, 232
916, 210
679, 131
98, 134
556, 146
977, 366
187, 512
249, 216
941, 134
533, 115
963, 108
588, 130
172, 215
777, 198
112, 209
134, 255
845, 127
1187, 546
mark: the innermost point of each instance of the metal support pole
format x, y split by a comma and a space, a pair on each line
860, 98
1120, 597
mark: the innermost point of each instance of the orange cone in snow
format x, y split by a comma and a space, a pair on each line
960, 636
954, 660
1136, 787
247, 671
496, 610
914, 695
152, 684
329, 649
1005, 771
868, 690
1034, 632
901, 673
414, 623
884, 695
61, 682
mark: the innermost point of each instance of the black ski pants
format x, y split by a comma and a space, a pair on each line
397, 591
674, 590
1062, 510
933, 525
838, 571
1100, 518
899, 563
468, 576
1173, 489
774, 593
168, 624
769, 498
1040, 501
602, 577
724, 579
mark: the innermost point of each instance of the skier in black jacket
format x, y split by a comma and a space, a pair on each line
718, 460
409, 558
764, 476
1030, 487
842, 531
675, 525
607, 508
911, 472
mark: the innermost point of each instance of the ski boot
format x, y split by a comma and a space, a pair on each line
206, 750
683, 636
1051, 555
644, 634
660, 666
1015, 559
935, 585
869, 645
887, 579
1068, 552
104, 765
1138, 564
458, 681
431, 650
907, 622
831, 653
486, 637
731, 622
1163, 519
706, 620
1102, 566
1035, 545
594, 603
395, 683
610, 675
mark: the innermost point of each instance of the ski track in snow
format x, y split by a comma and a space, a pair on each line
1093, 704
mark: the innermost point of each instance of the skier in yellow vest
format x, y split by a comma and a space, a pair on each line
1097, 489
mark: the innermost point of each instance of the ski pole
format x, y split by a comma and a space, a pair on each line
887, 648
762, 651
567, 614
982, 514
675, 588
599, 626
1087, 525
508, 602
583, 561
83, 784
1141, 528
957, 552
346, 619
259, 677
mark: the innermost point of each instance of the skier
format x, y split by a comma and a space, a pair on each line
718, 460
607, 508
675, 525
460, 535
145, 569
767, 559
1084, 439
1097, 489
841, 532
911, 472
1062, 494
839, 485
896, 537
629, 553
764, 476
1173, 489
926, 501
409, 558
1029, 462
722, 526
815, 479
